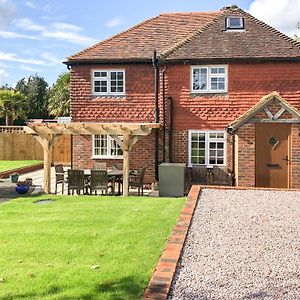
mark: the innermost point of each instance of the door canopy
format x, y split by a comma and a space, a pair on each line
272, 108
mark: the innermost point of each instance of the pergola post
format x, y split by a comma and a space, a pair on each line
126, 145
47, 143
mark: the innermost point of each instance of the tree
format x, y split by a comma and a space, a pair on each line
59, 97
12, 106
35, 88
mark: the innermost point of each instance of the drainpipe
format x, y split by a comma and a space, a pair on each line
231, 132
156, 111
170, 99
164, 112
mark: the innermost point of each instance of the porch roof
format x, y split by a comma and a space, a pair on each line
259, 106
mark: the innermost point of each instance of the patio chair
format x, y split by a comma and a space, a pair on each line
99, 181
60, 177
136, 179
99, 166
76, 181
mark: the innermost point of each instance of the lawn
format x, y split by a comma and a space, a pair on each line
6, 165
82, 247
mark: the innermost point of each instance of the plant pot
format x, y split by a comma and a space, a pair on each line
14, 178
22, 189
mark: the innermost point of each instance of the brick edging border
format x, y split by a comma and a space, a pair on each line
161, 280
22, 170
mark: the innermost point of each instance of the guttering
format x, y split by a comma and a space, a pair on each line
108, 61
156, 110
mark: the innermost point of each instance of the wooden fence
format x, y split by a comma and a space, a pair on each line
19, 146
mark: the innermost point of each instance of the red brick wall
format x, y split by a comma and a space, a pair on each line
247, 84
246, 155
136, 106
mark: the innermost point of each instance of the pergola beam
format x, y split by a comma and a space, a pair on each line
47, 134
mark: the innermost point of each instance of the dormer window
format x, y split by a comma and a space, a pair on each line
233, 23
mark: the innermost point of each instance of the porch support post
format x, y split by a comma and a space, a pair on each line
126, 144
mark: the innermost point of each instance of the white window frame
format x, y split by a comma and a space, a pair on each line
108, 156
209, 76
239, 27
207, 140
108, 80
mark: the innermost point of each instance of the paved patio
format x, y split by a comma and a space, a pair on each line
7, 189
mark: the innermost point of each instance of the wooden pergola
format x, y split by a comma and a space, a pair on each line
48, 133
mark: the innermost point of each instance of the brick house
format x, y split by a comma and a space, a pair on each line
224, 86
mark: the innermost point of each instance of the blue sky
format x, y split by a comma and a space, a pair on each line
37, 35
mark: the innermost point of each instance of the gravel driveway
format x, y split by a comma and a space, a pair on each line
242, 245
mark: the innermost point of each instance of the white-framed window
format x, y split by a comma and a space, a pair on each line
104, 146
209, 79
235, 23
108, 82
207, 148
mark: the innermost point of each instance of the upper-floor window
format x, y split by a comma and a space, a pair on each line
235, 23
108, 82
209, 79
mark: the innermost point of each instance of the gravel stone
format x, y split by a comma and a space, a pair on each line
242, 244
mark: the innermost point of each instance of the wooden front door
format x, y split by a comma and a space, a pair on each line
272, 155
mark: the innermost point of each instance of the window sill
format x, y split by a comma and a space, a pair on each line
106, 157
208, 94
109, 95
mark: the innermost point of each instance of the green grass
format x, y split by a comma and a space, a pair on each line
6, 165
47, 250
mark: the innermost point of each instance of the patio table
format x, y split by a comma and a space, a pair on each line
118, 174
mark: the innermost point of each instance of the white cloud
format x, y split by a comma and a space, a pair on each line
14, 35
7, 13
70, 37
12, 57
3, 76
66, 32
30, 4
283, 15
51, 58
29, 69
66, 27
29, 25
114, 22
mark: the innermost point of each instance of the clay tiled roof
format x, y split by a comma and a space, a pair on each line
138, 42
194, 36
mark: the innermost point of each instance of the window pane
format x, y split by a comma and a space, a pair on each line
220, 145
113, 75
97, 89
113, 89
96, 74
197, 153
220, 135
212, 145
234, 22
200, 79
120, 75
103, 74
120, 89
97, 83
